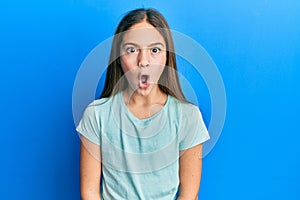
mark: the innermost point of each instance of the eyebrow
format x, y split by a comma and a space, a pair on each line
151, 45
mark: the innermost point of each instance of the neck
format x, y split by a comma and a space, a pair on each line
155, 96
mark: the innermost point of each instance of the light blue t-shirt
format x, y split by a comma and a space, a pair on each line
140, 157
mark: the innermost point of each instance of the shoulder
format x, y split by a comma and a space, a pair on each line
99, 103
185, 108
97, 106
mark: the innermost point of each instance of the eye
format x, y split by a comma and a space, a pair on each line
131, 50
155, 50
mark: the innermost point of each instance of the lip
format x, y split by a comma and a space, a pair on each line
143, 81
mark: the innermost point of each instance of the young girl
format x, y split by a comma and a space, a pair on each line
141, 139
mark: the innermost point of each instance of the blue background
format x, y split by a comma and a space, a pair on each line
254, 43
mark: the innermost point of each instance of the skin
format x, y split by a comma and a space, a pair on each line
143, 51
90, 171
190, 168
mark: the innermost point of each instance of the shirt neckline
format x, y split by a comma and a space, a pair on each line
132, 116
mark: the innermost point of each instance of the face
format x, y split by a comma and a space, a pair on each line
143, 57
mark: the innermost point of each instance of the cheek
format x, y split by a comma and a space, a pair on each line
126, 64
129, 68
161, 59
156, 72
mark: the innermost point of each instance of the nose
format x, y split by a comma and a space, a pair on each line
143, 58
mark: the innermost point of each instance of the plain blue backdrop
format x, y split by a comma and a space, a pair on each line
254, 43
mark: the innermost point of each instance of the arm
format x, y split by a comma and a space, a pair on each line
90, 170
190, 167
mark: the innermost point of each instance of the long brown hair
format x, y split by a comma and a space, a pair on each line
168, 81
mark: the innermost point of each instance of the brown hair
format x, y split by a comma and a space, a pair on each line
168, 81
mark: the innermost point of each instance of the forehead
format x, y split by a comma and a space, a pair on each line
143, 34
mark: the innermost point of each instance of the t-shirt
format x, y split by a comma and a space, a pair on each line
140, 157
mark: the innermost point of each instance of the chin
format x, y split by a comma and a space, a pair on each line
144, 91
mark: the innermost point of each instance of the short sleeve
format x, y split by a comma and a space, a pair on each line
192, 130
89, 125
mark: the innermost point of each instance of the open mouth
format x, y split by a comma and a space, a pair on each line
143, 81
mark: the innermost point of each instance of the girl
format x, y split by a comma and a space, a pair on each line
141, 139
